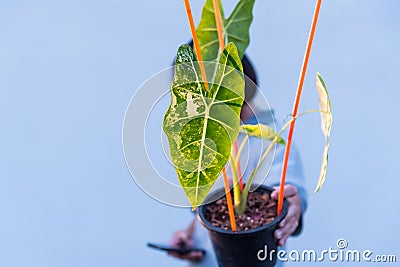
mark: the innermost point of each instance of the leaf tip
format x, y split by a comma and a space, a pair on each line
316, 190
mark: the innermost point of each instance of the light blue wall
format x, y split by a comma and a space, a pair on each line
69, 68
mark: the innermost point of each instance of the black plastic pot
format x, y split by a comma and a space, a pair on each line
252, 248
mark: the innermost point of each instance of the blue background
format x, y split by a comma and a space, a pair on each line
69, 68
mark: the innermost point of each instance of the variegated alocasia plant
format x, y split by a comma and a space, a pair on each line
203, 119
202, 125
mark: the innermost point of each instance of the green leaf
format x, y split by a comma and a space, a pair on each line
202, 125
235, 28
261, 131
326, 126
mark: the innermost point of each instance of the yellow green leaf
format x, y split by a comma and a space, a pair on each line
261, 131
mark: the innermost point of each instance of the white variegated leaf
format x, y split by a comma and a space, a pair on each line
326, 125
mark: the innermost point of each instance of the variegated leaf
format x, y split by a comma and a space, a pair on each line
326, 126
202, 125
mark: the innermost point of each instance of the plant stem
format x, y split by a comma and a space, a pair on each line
245, 139
239, 170
296, 105
236, 188
242, 207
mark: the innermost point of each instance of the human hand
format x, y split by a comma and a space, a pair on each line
289, 224
183, 239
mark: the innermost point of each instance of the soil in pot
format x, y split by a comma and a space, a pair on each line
260, 210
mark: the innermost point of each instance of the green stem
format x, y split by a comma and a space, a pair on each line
242, 207
236, 187
244, 141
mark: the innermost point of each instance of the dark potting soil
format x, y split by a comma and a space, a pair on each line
260, 210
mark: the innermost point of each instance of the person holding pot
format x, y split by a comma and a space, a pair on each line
196, 235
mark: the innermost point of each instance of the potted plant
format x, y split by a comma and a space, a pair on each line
202, 125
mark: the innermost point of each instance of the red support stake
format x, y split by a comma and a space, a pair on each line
296, 105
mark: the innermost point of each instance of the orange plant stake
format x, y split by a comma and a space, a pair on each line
196, 41
296, 104
218, 22
198, 52
229, 200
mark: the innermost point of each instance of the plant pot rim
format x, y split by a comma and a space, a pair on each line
209, 226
